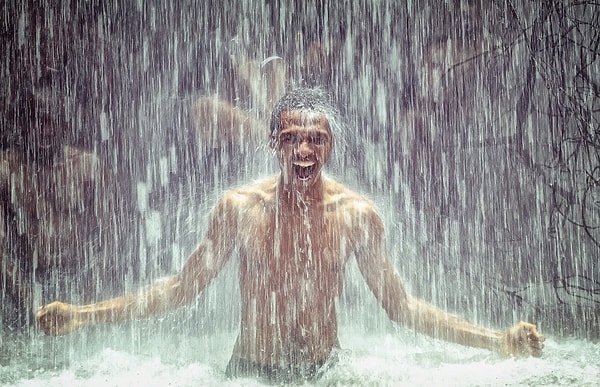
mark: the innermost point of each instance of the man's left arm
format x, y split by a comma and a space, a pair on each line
384, 281
521, 340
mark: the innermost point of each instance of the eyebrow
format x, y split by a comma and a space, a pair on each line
302, 121
305, 120
311, 132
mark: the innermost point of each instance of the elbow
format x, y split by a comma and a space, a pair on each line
403, 317
401, 312
184, 290
180, 294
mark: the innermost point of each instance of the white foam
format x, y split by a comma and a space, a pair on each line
381, 359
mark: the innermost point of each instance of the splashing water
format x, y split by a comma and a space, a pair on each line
176, 357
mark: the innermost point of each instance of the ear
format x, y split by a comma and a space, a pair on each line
273, 142
330, 151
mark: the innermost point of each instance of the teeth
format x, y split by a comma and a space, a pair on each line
304, 164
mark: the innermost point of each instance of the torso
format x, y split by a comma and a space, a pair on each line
291, 271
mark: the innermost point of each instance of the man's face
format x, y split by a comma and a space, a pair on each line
304, 145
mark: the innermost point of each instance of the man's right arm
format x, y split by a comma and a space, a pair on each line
202, 266
58, 318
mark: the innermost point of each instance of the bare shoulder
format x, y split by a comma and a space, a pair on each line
341, 198
248, 196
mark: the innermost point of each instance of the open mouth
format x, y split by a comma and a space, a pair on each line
304, 170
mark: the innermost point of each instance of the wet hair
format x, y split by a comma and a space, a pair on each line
302, 99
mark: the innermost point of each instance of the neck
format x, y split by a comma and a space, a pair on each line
291, 195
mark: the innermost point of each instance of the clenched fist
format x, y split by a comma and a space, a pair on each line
522, 340
58, 318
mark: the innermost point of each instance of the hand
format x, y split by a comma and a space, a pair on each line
522, 340
58, 318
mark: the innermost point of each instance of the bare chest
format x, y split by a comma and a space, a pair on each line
293, 251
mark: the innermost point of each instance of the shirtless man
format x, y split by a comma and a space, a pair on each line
293, 235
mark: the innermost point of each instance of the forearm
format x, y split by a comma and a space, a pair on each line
157, 299
427, 319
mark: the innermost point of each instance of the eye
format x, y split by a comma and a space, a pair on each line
317, 140
286, 138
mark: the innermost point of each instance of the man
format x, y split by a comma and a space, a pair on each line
293, 235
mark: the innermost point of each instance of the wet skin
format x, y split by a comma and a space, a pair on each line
293, 234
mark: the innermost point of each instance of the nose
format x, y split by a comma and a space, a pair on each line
304, 149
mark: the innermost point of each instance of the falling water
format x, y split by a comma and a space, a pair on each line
473, 125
